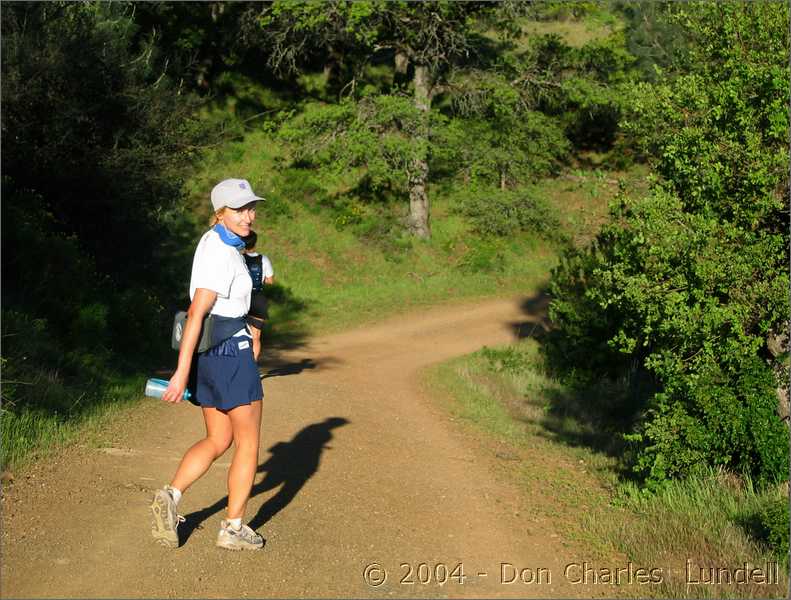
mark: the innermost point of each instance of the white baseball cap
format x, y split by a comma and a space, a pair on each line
233, 193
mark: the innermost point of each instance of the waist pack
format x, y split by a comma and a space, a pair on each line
214, 330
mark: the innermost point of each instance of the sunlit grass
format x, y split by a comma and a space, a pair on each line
29, 435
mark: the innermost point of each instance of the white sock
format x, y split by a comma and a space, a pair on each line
236, 524
176, 494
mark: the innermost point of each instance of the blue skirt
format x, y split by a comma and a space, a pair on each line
227, 376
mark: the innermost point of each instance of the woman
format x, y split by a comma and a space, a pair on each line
261, 272
227, 384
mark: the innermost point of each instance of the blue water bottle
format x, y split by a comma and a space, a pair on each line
156, 387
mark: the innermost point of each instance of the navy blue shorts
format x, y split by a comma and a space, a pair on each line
227, 376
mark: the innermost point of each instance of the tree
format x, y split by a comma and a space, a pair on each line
95, 141
690, 282
425, 39
201, 38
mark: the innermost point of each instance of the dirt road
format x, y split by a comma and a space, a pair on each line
360, 470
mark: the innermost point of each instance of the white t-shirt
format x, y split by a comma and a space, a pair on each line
221, 268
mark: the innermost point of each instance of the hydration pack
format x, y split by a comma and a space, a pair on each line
256, 270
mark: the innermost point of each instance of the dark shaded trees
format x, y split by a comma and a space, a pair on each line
95, 141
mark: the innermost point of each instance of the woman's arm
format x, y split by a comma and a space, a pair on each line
267, 272
200, 306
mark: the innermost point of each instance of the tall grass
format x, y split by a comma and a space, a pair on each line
72, 411
50, 394
713, 520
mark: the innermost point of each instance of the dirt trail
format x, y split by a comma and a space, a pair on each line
358, 466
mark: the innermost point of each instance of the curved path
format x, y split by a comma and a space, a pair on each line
358, 466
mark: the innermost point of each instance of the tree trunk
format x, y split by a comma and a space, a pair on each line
332, 65
401, 62
502, 180
401, 66
418, 167
777, 342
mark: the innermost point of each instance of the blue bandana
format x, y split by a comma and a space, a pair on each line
229, 237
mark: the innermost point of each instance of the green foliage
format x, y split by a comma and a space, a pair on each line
96, 140
372, 135
656, 42
496, 138
342, 36
774, 525
719, 420
504, 212
482, 256
560, 9
510, 359
689, 280
202, 39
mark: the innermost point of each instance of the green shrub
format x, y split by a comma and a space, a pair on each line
509, 359
774, 521
484, 255
708, 417
687, 282
502, 213
294, 185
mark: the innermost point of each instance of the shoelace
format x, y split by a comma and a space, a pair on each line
248, 534
245, 532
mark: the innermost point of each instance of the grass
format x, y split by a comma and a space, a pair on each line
31, 435
705, 522
713, 520
594, 23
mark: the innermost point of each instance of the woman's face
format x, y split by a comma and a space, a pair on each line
238, 220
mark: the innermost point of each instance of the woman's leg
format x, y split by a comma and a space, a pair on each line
199, 457
246, 424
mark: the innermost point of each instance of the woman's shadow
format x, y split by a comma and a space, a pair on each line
290, 466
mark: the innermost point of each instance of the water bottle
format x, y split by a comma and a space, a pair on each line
156, 387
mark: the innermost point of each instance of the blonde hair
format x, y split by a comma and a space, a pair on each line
215, 218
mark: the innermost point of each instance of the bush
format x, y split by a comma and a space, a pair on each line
688, 282
484, 255
95, 242
773, 519
97, 142
501, 213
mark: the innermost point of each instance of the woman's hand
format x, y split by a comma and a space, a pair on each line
175, 391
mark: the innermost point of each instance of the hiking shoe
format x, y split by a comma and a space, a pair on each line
164, 518
243, 539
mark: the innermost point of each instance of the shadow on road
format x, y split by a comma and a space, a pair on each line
290, 466
281, 368
537, 324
